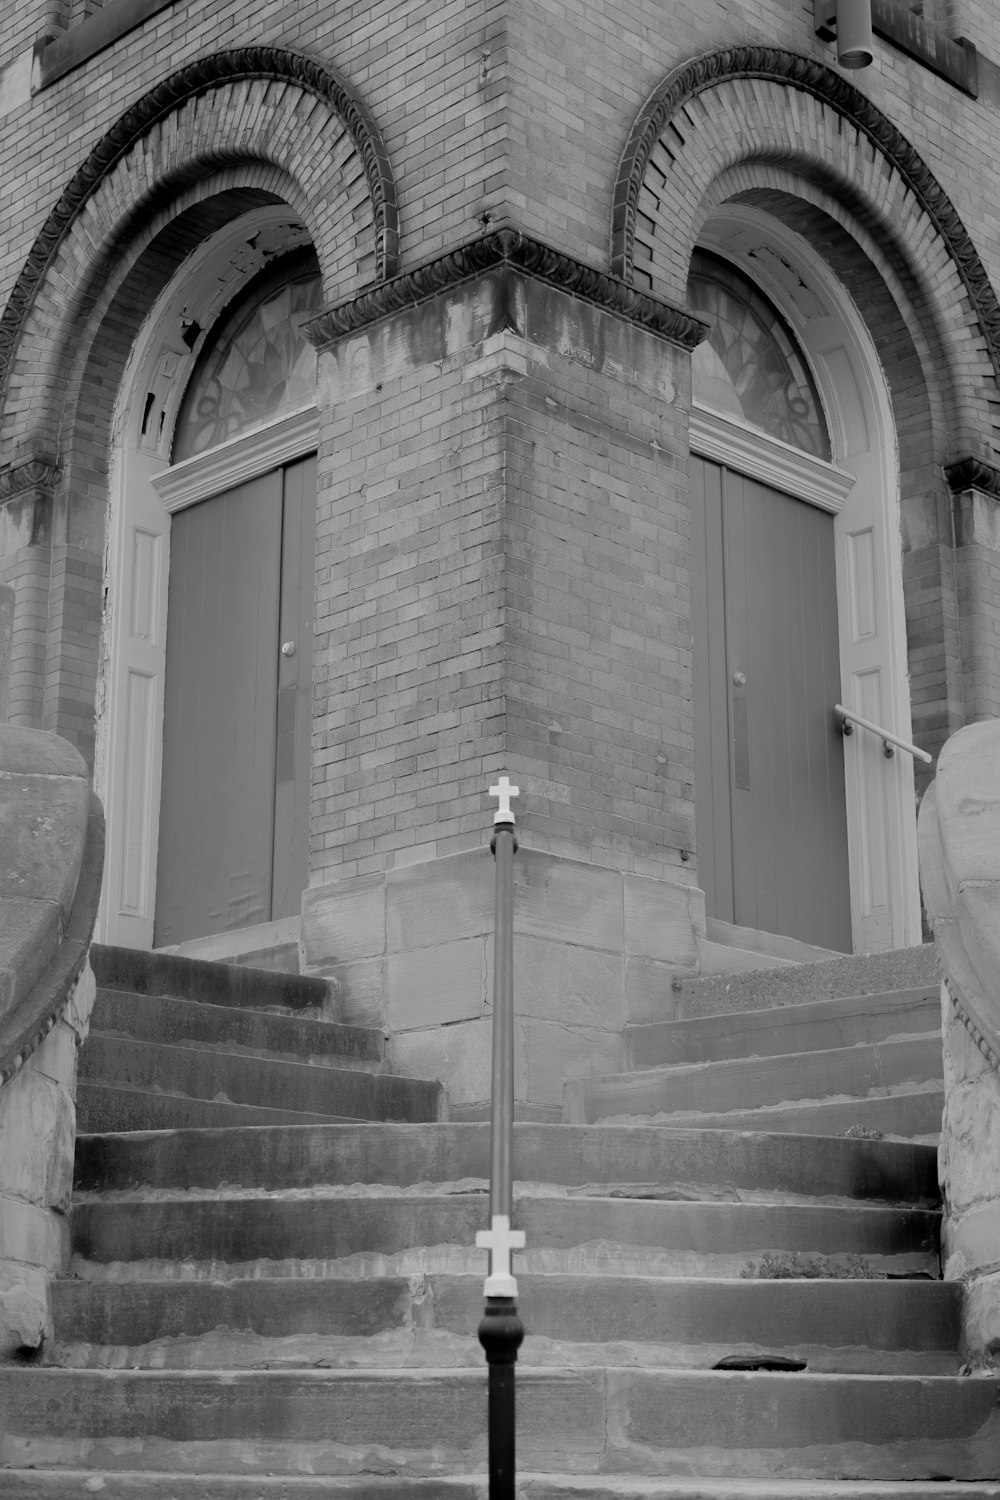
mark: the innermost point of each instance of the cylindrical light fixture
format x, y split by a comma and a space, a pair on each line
855, 43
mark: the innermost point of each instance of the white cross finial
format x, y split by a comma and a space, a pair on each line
504, 791
500, 1240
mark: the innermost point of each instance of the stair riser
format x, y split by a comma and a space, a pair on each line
157, 1019
784, 1030
103, 1109
856, 1326
748, 1083
643, 1421
572, 1155
242, 1230
212, 983
204, 1073
901, 1115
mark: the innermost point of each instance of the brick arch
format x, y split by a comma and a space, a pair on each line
760, 109
257, 108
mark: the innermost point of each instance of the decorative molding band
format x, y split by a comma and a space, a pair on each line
197, 78
240, 459
768, 459
803, 73
30, 474
990, 1053
974, 474
507, 249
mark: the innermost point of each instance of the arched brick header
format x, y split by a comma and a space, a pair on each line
680, 145
314, 103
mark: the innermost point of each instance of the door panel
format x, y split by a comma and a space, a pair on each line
768, 568
217, 799
293, 770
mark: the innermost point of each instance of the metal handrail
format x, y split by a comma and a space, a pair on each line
890, 742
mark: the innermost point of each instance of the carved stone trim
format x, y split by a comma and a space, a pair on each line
500, 249
974, 474
30, 474
199, 78
809, 77
989, 1052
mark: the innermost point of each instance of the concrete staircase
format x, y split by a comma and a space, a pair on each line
268, 1313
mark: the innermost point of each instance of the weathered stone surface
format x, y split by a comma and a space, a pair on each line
343, 921
982, 1322
31, 1235
25, 1313
563, 982
435, 986
460, 1054
439, 901
649, 992
555, 1053
43, 827
29, 935
563, 899
361, 991
31, 752
658, 921
36, 1140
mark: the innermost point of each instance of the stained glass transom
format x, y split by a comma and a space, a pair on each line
750, 367
257, 367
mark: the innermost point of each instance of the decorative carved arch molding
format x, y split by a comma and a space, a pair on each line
258, 105
792, 115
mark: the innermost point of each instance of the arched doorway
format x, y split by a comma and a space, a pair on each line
797, 602
204, 742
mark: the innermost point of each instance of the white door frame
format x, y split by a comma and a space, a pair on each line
145, 490
861, 488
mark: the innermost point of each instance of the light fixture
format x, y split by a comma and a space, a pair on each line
849, 24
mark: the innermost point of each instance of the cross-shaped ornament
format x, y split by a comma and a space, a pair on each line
500, 1240
504, 791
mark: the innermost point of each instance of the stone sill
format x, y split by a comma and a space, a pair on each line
57, 56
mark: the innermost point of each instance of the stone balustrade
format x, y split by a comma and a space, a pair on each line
959, 832
51, 858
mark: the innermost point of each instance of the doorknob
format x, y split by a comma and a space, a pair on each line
288, 648
740, 679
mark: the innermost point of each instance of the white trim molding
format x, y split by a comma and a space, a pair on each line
240, 459
768, 459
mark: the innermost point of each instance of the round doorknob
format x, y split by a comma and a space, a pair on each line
740, 679
288, 648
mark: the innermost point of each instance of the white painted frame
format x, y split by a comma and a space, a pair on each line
859, 487
145, 491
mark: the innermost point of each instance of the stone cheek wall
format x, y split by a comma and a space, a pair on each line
38, 1135
960, 873
51, 856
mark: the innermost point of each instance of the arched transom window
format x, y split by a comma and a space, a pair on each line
257, 365
750, 367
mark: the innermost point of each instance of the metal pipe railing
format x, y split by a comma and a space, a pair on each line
890, 742
501, 1331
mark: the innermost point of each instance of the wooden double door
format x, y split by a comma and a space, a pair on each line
234, 802
771, 819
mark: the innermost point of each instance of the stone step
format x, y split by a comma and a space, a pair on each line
629, 1159
751, 1082
404, 1233
242, 1078
795, 984
647, 1420
913, 1115
198, 979
852, 1326
64, 1484
107, 1107
158, 1018
785, 1029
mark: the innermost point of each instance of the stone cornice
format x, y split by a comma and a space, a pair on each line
507, 249
199, 78
810, 77
30, 474
974, 474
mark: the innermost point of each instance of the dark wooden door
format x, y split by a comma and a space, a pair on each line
769, 763
234, 804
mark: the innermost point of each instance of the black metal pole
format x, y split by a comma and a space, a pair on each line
501, 1331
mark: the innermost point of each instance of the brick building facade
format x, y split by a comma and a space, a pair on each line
503, 202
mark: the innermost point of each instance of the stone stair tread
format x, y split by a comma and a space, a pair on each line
906, 1115
847, 1324
199, 980
754, 1082
761, 1424
117, 1108
204, 1072
56, 1484
159, 1018
574, 1155
783, 1029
